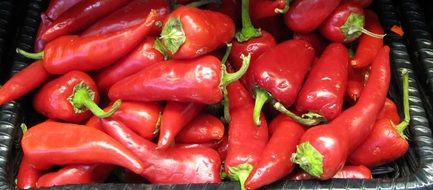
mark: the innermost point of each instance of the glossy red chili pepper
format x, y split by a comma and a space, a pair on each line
71, 97
323, 149
324, 89
368, 46
175, 117
203, 128
191, 32
363, 3
23, 82
275, 161
143, 56
28, 175
52, 143
316, 40
347, 172
390, 111
75, 174
265, 8
195, 80
194, 165
304, 16
72, 52
355, 83
246, 140
130, 15
386, 141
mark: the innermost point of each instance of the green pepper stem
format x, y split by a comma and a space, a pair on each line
240, 173
402, 126
23, 127
309, 159
309, 119
158, 124
366, 32
227, 53
226, 104
37, 55
261, 98
199, 3
248, 31
231, 77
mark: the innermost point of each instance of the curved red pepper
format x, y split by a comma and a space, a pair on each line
368, 46
52, 143
175, 117
71, 97
194, 165
23, 82
191, 32
304, 16
197, 80
275, 161
203, 128
347, 172
246, 140
143, 56
316, 40
130, 15
265, 8
28, 175
324, 89
390, 111
324, 149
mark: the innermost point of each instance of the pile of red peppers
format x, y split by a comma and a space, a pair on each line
179, 92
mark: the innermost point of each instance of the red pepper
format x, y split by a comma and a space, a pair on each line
368, 46
304, 16
316, 40
130, 15
348, 172
389, 111
355, 84
323, 149
194, 165
68, 53
143, 56
76, 174
71, 97
265, 8
246, 140
362, 3
28, 175
204, 128
324, 89
191, 32
176, 116
51, 143
221, 146
345, 24
195, 80
386, 141
23, 82
275, 161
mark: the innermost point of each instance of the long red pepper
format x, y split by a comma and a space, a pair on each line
23, 82
275, 161
176, 116
246, 140
28, 175
265, 8
368, 46
193, 165
324, 149
52, 143
72, 52
204, 128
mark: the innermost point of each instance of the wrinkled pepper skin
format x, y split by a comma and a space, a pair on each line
193, 165
203, 128
324, 89
348, 172
52, 143
304, 16
28, 175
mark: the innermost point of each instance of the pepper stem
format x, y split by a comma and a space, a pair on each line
261, 98
248, 31
309, 159
231, 77
366, 32
37, 55
226, 104
308, 119
23, 127
82, 99
158, 124
240, 173
283, 10
402, 126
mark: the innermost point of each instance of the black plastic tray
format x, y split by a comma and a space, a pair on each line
413, 171
7, 26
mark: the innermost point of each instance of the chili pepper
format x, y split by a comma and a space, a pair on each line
265, 8
362, 3
71, 97
28, 175
43, 25
368, 46
324, 89
30, 78
194, 165
52, 143
246, 141
386, 141
76, 174
175, 117
143, 56
197, 80
230, 8
304, 16
275, 160
323, 149
316, 40
203, 128
346, 24
130, 15
191, 32
279, 73
72, 52
389, 111
348, 172
355, 83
